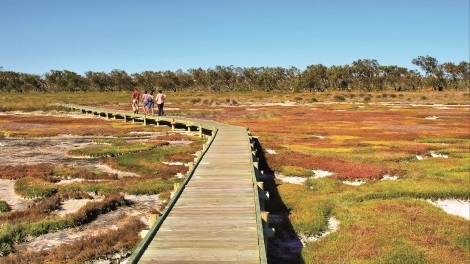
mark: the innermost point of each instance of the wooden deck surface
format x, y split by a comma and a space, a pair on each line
214, 219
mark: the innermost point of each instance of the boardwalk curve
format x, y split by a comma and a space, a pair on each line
215, 215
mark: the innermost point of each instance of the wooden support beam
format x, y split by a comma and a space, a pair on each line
265, 218
200, 130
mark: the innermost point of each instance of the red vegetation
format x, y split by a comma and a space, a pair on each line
343, 169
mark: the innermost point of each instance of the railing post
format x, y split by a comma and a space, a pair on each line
176, 186
200, 130
152, 220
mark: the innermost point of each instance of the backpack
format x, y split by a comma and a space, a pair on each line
150, 98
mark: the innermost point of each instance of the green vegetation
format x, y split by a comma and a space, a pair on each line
361, 75
4, 207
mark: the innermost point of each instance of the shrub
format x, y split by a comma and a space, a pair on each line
339, 98
4, 207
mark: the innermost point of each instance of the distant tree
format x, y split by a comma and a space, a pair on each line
339, 77
199, 77
314, 78
99, 81
364, 71
463, 72
121, 81
434, 71
393, 76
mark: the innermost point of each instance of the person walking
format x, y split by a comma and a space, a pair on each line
135, 101
151, 103
160, 101
145, 102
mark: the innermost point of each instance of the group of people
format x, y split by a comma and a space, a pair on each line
148, 102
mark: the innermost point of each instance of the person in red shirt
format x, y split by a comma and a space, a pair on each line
135, 101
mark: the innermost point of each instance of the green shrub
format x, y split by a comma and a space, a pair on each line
4, 207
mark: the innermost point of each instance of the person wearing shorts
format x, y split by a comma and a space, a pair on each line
150, 104
135, 101
145, 102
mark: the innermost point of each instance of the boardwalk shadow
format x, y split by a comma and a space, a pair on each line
285, 247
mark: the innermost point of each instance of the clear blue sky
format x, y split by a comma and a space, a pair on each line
37, 36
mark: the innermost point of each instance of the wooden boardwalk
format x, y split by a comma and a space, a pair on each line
215, 215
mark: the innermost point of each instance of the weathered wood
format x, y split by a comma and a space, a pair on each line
215, 214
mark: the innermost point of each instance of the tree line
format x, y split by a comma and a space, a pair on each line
361, 75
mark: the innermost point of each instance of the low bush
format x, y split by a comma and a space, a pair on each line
339, 98
4, 207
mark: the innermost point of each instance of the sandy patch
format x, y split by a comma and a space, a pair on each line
354, 183
174, 163
270, 151
301, 180
431, 117
321, 173
7, 194
389, 178
107, 169
433, 155
454, 207
333, 225
71, 206
437, 155
291, 179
